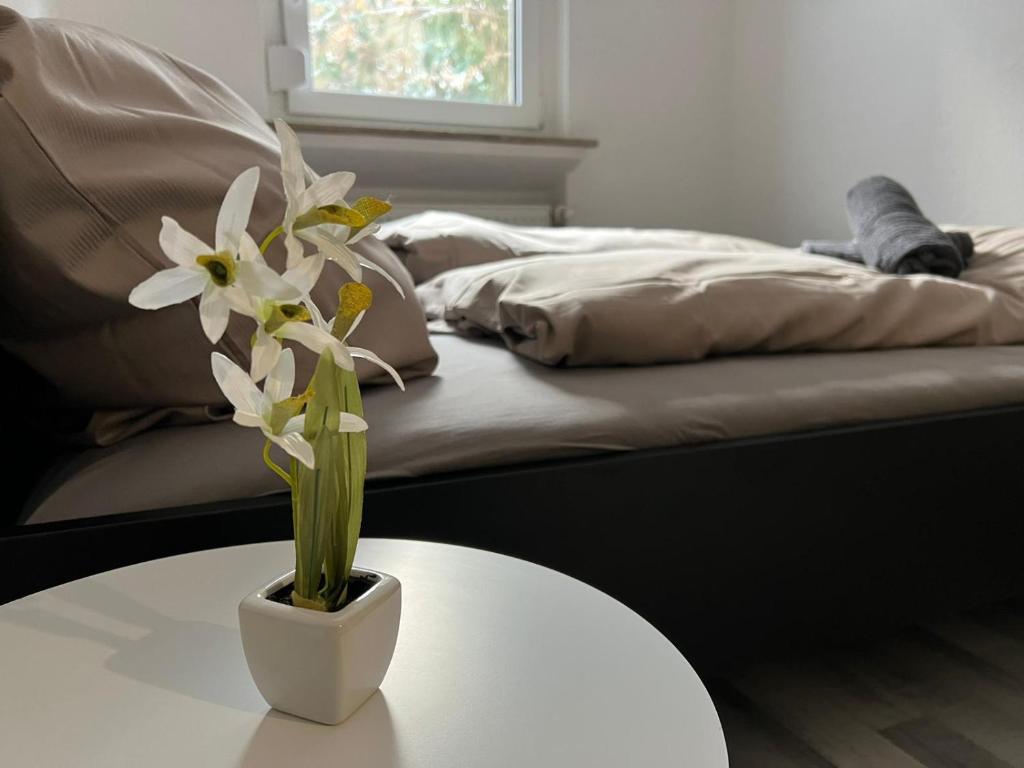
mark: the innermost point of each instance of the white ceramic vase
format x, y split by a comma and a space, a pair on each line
316, 665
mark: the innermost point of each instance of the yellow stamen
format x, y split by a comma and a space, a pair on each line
340, 214
354, 298
331, 214
286, 313
221, 267
371, 208
281, 412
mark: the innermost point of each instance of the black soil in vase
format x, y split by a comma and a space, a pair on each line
357, 587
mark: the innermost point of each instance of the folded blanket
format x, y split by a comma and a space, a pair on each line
650, 306
849, 250
892, 235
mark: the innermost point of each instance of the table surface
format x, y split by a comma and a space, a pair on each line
499, 663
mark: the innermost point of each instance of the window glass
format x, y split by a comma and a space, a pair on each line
451, 50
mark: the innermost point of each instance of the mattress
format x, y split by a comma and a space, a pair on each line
487, 407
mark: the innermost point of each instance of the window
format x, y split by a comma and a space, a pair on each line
452, 62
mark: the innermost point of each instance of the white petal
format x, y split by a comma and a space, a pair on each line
168, 286
349, 422
248, 420
237, 387
281, 378
327, 190
213, 312
318, 316
306, 273
293, 168
233, 217
265, 353
370, 229
180, 245
295, 445
260, 280
366, 354
334, 249
351, 328
336, 230
248, 250
240, 301
385, 274
317, 340
294, 424
295, 250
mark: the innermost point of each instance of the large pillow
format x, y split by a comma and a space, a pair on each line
433, 242
101, 137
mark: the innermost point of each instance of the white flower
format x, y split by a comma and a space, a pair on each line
322, 215
305, 324
224, 274
274, 411
277, 320
355, 314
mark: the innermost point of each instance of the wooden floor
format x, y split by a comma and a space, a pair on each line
945, 694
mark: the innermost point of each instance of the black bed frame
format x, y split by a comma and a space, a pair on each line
728, 548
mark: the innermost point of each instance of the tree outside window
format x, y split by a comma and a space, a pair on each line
451, 50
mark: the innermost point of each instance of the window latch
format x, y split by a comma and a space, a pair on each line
286, 67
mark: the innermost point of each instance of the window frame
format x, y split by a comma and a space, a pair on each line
526, 113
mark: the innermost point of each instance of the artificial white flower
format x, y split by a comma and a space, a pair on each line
277, 320
272, 314
319, 214
274, 411
305, 324
359, 312
219, 274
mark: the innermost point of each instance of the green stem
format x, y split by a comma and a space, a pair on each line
274, 467
277, 232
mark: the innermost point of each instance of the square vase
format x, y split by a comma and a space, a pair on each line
316, 665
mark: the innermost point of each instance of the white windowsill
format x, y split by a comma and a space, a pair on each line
404, 158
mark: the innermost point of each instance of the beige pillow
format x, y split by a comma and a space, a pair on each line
433, 242
101, 137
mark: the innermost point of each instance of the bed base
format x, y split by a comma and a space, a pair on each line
729, 548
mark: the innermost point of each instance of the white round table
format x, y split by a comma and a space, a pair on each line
499, 663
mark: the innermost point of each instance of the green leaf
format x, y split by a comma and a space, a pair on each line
328, 398
333, 499
355, 469
327, 502
308, 532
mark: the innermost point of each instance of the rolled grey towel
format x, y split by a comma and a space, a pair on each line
894, 236
849, 250
846, 250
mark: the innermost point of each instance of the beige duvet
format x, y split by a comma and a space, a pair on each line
641, 306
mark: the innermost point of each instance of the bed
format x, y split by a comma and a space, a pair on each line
736, 503
485, 408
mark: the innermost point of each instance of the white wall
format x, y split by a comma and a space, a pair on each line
651, 80
930, 92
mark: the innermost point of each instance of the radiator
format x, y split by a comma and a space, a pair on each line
523, 215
